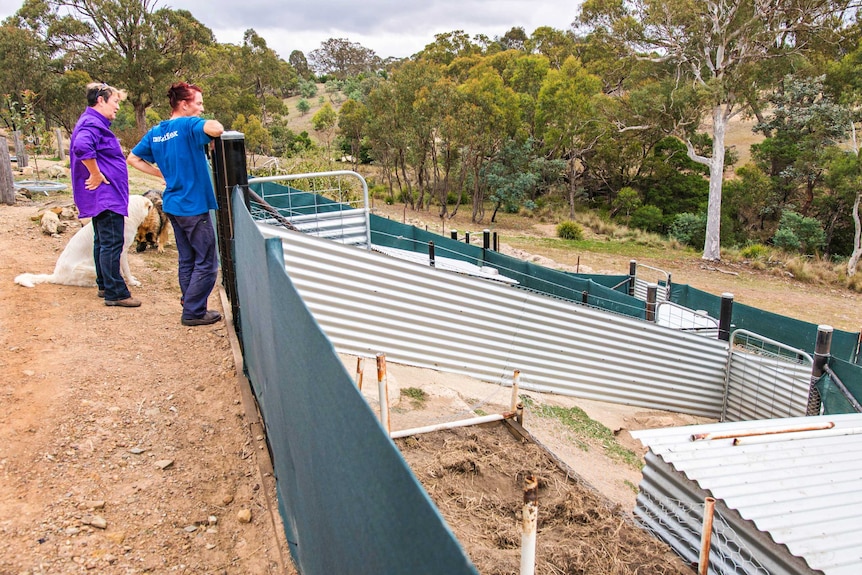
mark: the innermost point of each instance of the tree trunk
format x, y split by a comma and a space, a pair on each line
140, 117
712, 245
857, 240
7, 187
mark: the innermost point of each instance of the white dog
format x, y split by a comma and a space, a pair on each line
75, 266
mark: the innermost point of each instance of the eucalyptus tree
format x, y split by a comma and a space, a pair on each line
567, 114
448, 46
802, 123
267, 75
128, 43
716, 45
555, 45
844, 82
490, 115
352, 124
342, 58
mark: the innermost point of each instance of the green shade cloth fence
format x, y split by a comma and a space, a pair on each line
349, 502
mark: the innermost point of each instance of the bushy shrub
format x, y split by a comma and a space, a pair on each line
570, 230
786, 240
754, 252
689, 229
647, 218
796, 232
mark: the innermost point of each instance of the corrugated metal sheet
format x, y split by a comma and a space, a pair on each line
786, 495
370, 303
762, 387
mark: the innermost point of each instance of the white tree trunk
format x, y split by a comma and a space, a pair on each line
857, 240
712, 245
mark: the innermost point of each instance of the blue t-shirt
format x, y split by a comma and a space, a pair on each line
177, 147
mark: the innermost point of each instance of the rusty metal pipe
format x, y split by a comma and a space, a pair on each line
515, 377
359, 373
706, 535
383, 390
763, 431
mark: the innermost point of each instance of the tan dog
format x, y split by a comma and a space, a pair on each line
75, 266
153, 232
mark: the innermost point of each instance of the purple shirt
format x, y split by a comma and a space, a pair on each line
92, 138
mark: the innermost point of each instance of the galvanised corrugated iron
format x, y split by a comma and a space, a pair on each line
418, 315
763, 386
789, 502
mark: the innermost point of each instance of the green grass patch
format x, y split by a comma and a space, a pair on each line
586, 430
416, 396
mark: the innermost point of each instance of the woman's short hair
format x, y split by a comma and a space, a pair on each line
180, 92
96, 89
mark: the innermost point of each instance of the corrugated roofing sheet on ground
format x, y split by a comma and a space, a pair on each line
803, 488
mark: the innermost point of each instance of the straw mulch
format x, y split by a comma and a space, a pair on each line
475, 475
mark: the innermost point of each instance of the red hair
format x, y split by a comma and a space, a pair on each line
181, 91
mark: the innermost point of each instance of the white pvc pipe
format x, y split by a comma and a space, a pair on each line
529, 523
449, 425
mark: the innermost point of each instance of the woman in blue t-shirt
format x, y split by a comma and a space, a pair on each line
174, 150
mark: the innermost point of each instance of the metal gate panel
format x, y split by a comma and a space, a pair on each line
766, 384
367, 302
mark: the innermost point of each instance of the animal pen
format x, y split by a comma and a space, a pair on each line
312, 273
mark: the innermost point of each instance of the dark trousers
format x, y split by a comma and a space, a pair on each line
198, 261
108, 239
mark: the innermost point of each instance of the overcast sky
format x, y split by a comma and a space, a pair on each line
396, 28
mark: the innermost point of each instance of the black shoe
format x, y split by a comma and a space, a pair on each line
209, 317
128, 302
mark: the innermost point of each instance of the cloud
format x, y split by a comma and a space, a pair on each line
396, 28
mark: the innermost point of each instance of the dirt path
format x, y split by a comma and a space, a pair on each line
124, 445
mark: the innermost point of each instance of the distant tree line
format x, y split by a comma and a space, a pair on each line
625, 112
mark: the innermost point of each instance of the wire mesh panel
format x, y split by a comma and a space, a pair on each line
338, 210
647, 275
679, 317
765, 379
680, 524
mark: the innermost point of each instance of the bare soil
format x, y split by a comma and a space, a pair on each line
124, 444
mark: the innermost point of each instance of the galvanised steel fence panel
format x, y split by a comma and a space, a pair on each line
765, 379
418, 315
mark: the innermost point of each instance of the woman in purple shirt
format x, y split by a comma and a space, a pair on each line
100, 187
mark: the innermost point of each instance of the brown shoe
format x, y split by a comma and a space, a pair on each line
101, 293
128, 302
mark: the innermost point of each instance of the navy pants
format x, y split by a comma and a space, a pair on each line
108, 239
198, 261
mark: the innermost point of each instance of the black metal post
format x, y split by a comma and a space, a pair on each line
822, 349
486, 239
453, 234
496, 242
633, 270
467, 237
229, 171
724, 316
431, 253
651, 291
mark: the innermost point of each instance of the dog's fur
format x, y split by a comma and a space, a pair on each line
153, 232
75, 266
